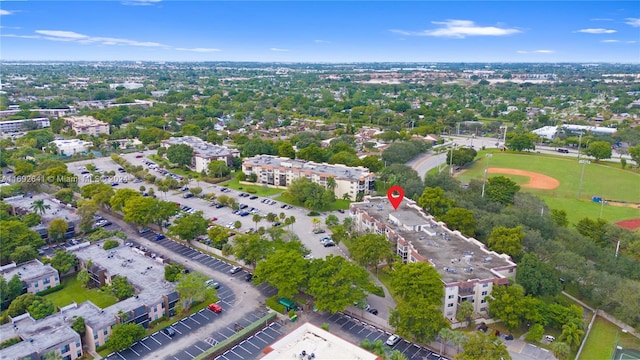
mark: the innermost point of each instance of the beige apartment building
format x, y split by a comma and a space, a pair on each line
87, 125
468, 269
280, 172
35, 275
203, 152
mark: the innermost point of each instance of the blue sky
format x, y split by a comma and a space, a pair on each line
322, 31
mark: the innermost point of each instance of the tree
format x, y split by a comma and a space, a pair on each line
596, 230
285, 270
460, 219
336, 283
20, 235
53, 355
63, 261
479, 345
191, 289
535, 332
172, 271
121, 196
461, 156
180, 154
501, 189
218, 168
237, 224
23, 254
256, 219
139, 210
599, 150
251, 248
196, 191
65, 195
634, 152
121, 288
446, 335
86, 211
57, 229
559, 217
331, 183
37, 306
110, 244
286, 150
308, 194
376, 347
332, 220
83, 277
370, 249
219, 236
561, 350
189, 226
417, 281
571, 334
39, 207
397, 355
434, 201
78, 325
506, 303
536, 277
419, 320
9, 290
99, 192
507, 240
124, 335
465, 311
522, 142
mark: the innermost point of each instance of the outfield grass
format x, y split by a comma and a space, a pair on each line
602, 340
604, 180
259, 189
73, 291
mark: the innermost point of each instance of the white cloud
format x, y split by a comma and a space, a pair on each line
5, 12
199, 50
279, 50
140, 2
601, 19
610, 41
544, 51
322, 41
635, 22
10, 27
71, 36
522, 52
631, 42
597, 31
22, 36
459, 29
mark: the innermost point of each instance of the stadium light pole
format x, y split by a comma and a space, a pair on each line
584, 163
486, 171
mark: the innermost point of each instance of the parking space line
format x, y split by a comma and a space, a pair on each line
189, 354
141, 343
250, 343
154, 339
182, 322
135, 352
191, 317
122, 357
174, 328
222, 335
271, 337
198, 347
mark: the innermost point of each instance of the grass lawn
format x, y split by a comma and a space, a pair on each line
259, 189
603, 338
605, 180
73, 291
336, 205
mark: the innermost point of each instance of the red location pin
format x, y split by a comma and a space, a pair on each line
395, 200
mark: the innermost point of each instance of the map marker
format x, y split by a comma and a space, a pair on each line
393, 199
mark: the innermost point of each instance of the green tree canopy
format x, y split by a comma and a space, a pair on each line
180, 154
191, 288
599, 150
501, 189
286, 270
63, 261
481, 346
460, 219
189, 226
507, 240
124, 335
434, 201
536, 277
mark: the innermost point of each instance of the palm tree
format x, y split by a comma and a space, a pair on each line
315, 222
290, 221
561, 350
571, 334
52, 355
163, 188
256, 219
282, 216
445, 335
395, 354
39, 207
331, 183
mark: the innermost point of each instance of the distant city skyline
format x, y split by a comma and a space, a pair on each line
322, 31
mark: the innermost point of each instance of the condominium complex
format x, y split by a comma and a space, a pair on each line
70, 147
19, 125
35, 276
87, 125
203, 152
154, 298
469, 271
41, 112
281, 171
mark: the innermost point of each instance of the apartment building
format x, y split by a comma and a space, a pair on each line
468, 269
41, 112
70, 147
203, 152
35, 275
154, 298
19, 125
280, 172
87, 125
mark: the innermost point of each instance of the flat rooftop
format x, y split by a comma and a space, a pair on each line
201, 147
27, 271
311, 339
85, 121
56, 209
456, 257
338, 171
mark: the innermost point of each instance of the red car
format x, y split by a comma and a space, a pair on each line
215, 308
138, 156
213, 219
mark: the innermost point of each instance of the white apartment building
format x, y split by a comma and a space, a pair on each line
70, 147
35, 275
280, 172
87, 125
468, 269
18, 125
203, 152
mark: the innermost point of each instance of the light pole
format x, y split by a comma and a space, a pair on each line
486, 171
579, 145
583, 162
451, 161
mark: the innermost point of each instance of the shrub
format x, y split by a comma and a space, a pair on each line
110, 244
252, 191
313, 213
9, 342
325, 326
50, 290
157, 321
377, 290
272, 302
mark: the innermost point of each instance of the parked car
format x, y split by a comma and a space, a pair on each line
213, 284
253, 197
144, 231
318, 231
373, 311
508, 337
215, 308
169, 331
248, 277
329, 243
160, 237
235, 270
393, 340
277, 223
187, 195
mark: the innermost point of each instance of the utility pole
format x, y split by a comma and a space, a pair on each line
579, 144
486, 171
451, 160
584, 163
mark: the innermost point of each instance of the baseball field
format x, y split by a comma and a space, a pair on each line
557, 180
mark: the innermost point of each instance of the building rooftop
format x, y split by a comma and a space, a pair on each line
56, 210
311, 339
456, 257
202, 148
84, 121
338, 171
64, 142
27, 271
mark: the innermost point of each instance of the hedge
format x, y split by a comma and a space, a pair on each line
50, 290
9, 342
273, 303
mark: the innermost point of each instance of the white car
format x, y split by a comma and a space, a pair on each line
393, 340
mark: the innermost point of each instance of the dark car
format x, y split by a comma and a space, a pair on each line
508, 337
160, 237
283, 206
277, 223
329, 243
169, 331
341, 211
187, 195
253, 197
248, 277
218, 206
373, 311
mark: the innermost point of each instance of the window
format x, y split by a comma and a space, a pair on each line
483, 301
35, 284
79, 353
95, 336
46, 281
483, 309
450, 305
68, 357
64, 349
78, 344
106, 331
485, 285
484, 293
450, 297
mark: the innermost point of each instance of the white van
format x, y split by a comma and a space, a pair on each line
549, 338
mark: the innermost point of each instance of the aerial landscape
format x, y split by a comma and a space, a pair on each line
415, 180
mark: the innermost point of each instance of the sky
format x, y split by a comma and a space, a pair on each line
321, 31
